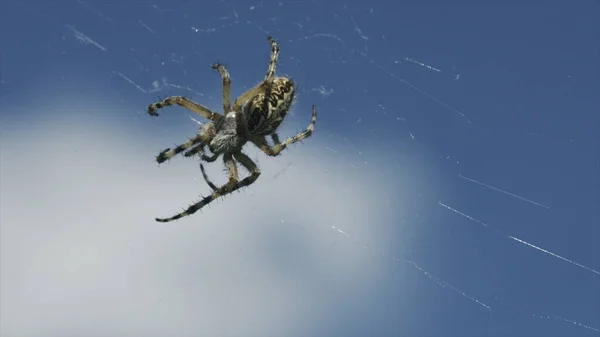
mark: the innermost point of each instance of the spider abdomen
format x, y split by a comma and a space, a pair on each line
265, 115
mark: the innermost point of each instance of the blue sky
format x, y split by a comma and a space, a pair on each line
451, 188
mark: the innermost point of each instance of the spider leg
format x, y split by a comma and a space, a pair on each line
194, 150
226, 86
170, 153
274, 150
232, 185
245, 97
246, 162
200, 149
203, 137
266, 83
208, 181
275, 138
250, 166
273, 60
211, 159
186, 103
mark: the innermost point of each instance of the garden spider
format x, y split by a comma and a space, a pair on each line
255, 114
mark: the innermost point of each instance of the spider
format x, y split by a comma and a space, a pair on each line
255, 114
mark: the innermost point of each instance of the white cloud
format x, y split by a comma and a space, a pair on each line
82, 255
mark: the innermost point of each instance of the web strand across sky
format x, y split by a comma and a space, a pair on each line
346, 39
424, 108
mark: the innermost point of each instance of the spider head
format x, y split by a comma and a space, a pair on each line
231, 133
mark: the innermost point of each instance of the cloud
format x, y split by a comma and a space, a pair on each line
82, 255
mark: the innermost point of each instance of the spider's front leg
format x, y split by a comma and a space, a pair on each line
170, 153
274, 150
200, 149
232, 185
186, 103
204, 136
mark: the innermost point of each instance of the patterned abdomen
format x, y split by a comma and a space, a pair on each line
265, 116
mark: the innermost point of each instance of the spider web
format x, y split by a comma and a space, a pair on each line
472, 223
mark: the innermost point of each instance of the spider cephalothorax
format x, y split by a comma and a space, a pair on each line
255, 114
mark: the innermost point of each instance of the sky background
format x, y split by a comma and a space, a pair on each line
451, 187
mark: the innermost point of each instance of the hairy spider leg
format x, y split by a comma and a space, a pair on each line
275, 138
170, 153
200, 149
270, 73
265, 84
203, 137
274, 150
232, 185
208, 160
273, 61
207, 179
186, 103
226, 86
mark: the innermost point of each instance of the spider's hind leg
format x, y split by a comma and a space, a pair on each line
273, 60
278, 147
226, 86
275, 138
265, 84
